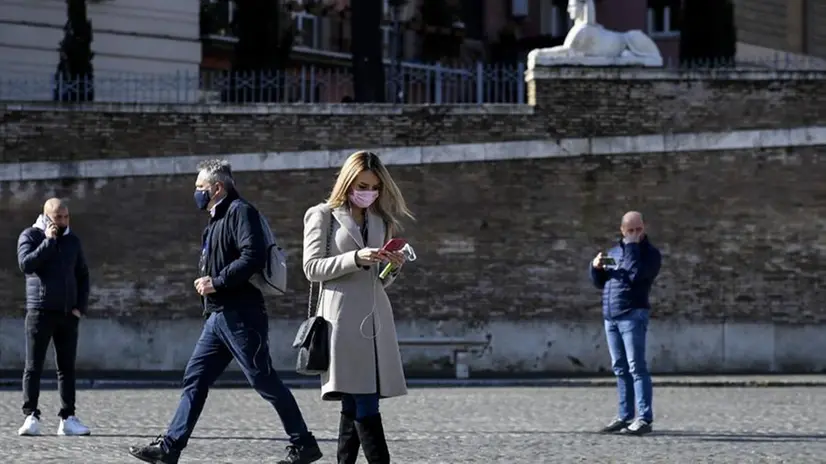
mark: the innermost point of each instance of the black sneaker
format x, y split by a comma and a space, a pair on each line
617, 425
302, 454
638, 427
154, 453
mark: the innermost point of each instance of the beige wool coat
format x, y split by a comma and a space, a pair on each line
364, 349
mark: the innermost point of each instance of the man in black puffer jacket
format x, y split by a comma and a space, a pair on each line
57, 293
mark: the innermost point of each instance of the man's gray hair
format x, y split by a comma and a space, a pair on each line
217, 171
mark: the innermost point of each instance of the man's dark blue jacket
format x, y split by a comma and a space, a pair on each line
236, 248
626, 288
57, 278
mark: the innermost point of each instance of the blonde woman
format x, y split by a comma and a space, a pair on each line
343, 238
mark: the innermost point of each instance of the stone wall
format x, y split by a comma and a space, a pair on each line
569, 103
512, 202
741, 230
626, 102
742, 233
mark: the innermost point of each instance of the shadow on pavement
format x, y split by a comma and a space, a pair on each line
745, 437
195, 437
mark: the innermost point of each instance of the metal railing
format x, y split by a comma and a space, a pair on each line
416, 83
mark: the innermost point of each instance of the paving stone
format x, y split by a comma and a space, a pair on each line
451, 425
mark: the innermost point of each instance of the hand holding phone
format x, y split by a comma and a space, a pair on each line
602, 260
395, 244
392, 251
607, 261
51, 228
369, 256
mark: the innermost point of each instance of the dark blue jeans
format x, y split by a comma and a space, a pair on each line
360, 406
626, 341
242, 335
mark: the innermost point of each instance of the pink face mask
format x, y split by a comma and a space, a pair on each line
363, 198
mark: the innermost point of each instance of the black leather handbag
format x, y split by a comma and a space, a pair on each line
313, 337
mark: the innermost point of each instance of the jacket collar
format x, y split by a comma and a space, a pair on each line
643, 243
41, 223
223, 206
374, 221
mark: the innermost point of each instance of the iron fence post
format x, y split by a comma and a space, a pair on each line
437, 96
480, 82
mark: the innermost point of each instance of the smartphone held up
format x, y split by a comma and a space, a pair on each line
397, 244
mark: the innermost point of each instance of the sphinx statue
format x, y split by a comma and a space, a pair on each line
590, 44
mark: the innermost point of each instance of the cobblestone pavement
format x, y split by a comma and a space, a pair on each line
459, 425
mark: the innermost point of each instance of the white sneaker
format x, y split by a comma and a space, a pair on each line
30, 428
72, 426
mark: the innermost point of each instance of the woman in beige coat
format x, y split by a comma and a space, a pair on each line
343, 238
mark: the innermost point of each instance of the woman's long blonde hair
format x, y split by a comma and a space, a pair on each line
390, 205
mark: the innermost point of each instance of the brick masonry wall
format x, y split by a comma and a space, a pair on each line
51, 135
623, 103
742, 231
742, 235
566, 107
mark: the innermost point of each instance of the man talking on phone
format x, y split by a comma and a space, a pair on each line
57, 292
625, 275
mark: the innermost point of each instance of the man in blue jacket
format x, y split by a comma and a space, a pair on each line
236, 326
57, 293
625, 275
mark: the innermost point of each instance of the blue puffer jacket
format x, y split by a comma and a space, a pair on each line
626, 287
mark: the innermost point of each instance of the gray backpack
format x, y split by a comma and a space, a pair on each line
272, 279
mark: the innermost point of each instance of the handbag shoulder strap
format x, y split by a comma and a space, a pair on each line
326, 255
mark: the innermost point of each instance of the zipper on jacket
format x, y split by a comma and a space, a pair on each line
207, 248
610, 296
65, 278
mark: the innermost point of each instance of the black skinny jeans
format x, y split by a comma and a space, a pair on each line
43, 327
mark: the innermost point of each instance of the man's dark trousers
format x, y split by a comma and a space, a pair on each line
41, 328
242, 335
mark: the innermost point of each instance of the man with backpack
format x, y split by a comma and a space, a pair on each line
234, 251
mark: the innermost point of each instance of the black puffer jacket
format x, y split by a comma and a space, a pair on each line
57, 278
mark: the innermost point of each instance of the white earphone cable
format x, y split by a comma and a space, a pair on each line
376, 322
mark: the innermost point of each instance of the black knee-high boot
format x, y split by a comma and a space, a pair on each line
348, 440
371, 433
